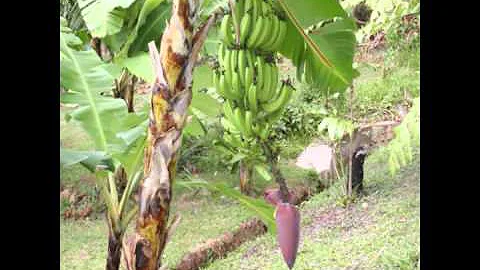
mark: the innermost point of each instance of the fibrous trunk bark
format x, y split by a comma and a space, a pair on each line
114, 250
170, 99
245, 178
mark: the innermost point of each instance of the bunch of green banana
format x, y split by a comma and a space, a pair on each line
236, 73
268, 32
247, 77
258, 26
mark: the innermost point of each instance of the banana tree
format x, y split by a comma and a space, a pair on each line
316, 35
108, 123
170, 100
171, 97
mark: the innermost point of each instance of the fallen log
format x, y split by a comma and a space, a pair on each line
217, 248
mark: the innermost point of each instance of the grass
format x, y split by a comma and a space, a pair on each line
381, 86
379, 94
380, 231
383, 235
83, 243
72, 136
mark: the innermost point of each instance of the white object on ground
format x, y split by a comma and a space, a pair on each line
318, 157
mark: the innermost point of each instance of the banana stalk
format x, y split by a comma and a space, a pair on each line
171, 97
245, 178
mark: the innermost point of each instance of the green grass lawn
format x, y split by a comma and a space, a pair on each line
380, 231
84, 243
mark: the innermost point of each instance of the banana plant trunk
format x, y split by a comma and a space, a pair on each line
170, 99
272, 158
245, 178
114, 250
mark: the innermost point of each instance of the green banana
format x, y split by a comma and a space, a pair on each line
225, 88
248, 77
267, 81
255, 10
265, 8
280, 101
249, 123
275, 27
282, 31
259, 75
221, 53
273, 117
239, 120
236, 87
274, 80
228, 111
229, 126
245, 28
226, 67
252, 99
239, 5
242, 64
250, 60
263, 38
216, 83
258, 28
234, 60
248, 6
226, 30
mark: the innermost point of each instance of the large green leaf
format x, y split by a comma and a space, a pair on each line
201, 100
263, 171
309, 12
86, 77
148, 7
327, 51
139, 65
132, 136
209, 6
194, 128
259, 207
70, 38
210, 47
204, 108
132, 157
70, 10
89, 159
104, 17
151, 29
